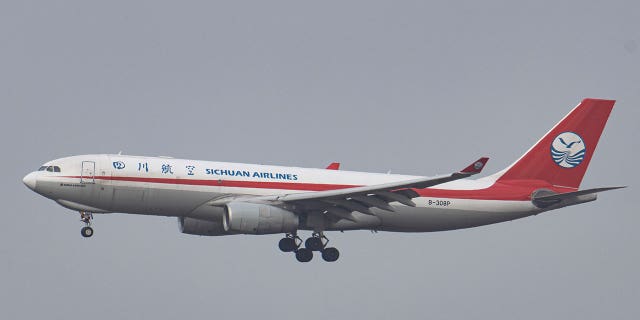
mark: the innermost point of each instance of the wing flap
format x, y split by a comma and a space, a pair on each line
396, 196
373, 201
341, 213
349, 205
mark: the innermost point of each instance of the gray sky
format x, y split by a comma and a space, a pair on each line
414, 87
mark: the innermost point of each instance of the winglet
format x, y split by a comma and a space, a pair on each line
334, 166
476, 166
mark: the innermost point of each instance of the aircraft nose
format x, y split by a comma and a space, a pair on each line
30, 180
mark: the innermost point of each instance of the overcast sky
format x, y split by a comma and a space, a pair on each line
415, 87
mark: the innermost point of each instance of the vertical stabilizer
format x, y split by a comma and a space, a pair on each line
562, 156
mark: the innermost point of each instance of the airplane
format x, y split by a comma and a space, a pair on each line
221, 198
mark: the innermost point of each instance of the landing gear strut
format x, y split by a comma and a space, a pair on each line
317, 242
86, 217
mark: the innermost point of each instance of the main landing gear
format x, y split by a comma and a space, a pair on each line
317, 242
86, 217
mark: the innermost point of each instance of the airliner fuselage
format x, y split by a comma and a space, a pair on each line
222, 198
183, 188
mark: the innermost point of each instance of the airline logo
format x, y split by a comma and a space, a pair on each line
568, 150
118, 165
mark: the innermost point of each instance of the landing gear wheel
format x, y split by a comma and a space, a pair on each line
330, 254
304, 255
86, 217
314, 244
86, 232
287, 244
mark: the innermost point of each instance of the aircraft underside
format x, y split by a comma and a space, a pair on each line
441, 215
429, 215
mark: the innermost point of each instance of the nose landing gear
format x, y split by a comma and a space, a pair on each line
86, 217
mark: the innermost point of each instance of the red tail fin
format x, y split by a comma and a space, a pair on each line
562, 156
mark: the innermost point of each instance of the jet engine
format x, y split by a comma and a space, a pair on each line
255, 218
201, 227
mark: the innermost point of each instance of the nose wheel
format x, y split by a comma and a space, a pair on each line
86, 217
317, 242
86, 232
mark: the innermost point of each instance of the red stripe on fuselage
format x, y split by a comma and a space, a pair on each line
514, 190
232, 183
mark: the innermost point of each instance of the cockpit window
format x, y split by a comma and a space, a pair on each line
43, 168
56, 169
50, 168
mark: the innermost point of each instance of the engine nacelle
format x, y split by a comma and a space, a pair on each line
201, 227
255, 218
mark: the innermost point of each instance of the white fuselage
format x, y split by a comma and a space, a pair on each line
183, 188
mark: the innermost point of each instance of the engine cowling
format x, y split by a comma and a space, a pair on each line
255, 218
201, 227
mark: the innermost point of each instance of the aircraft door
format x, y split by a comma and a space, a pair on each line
88, 174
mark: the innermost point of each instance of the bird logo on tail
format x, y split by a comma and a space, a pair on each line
568, 150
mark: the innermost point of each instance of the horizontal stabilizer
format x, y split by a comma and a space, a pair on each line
544, 199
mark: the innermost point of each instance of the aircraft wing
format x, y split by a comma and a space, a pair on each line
342, 202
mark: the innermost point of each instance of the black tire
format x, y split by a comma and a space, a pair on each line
86, 232
330, 254
287, 244
304, 255
314, 244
